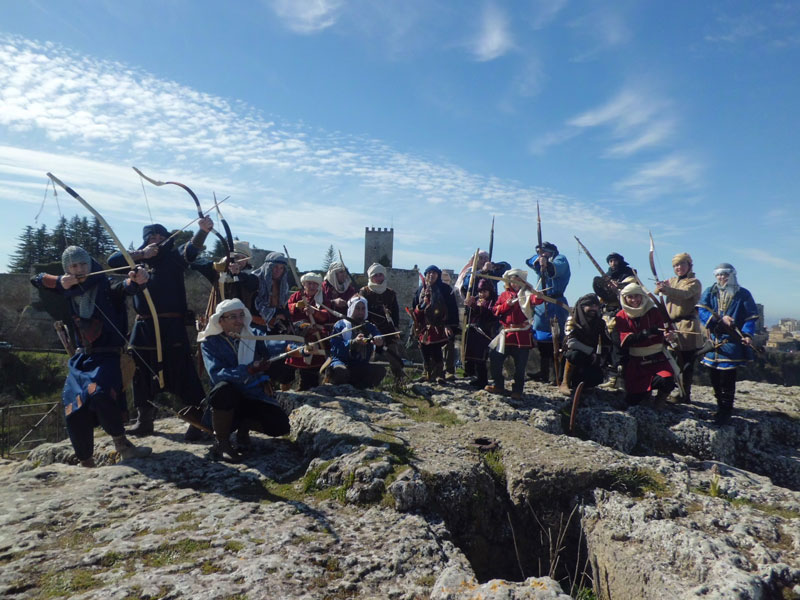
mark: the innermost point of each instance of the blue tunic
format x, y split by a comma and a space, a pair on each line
554, 286
94, 371
220, 356
344, 352
743, 310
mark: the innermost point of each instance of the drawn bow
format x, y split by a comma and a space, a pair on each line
145, 292
226, 243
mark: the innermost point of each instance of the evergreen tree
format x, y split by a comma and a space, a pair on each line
104, 245
330, 256
59, 240
24, 256
220, 250
41, 244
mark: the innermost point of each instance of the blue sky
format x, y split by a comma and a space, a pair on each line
320, 118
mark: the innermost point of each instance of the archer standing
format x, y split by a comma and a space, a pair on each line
515, 309
552, 269
167, 265
683, 293
729, 313
93, 392
482, 328
436, 317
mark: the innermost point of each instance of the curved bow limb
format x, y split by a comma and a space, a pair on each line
145, 292
189, 191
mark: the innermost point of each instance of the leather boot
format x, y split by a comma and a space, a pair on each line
144, 421
222, 420
660, 401
437, 373
127, 450
566, 382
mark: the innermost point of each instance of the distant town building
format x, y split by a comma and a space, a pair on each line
789, 325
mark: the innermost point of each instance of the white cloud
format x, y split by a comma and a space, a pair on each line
494, 38
762, 256
661, 177
545, 11
284, 179
635, 120
600, 30
307, 16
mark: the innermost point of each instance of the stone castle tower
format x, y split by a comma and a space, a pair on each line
378, 244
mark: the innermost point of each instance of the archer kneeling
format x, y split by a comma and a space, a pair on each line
352, 351
242, 397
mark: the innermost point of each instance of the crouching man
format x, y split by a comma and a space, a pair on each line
241, 397
588, 345
352, 351
93, 391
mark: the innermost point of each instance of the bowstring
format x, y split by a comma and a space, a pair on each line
128, 343
146, 201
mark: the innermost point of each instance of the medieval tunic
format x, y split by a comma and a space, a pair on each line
554, 283
742, 308
168, 291
354, 357
384, 311
515, 338
93, 389
322, 318
646, 353
513, 321
483, 324
434, 310
239, 387
587, 343
682, 295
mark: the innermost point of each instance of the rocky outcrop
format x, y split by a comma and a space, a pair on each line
441, 493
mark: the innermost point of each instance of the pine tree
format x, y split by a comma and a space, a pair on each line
104, 246
220, 250
329, 258
23, 259
59, 240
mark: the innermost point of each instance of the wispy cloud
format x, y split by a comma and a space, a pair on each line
307, 16
599, 30
634, 119
660, 177
494, 37
96, 118
772, 23
762, 256
545, 11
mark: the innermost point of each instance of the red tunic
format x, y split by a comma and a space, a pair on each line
640, 370
512, 317
298, 315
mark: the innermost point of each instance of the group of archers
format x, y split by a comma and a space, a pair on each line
259, 337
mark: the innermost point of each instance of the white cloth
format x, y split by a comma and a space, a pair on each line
331, 278
245, 351
374, 269
317, 278
630, 290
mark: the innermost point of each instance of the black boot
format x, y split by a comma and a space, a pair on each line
144, 421
223, 424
